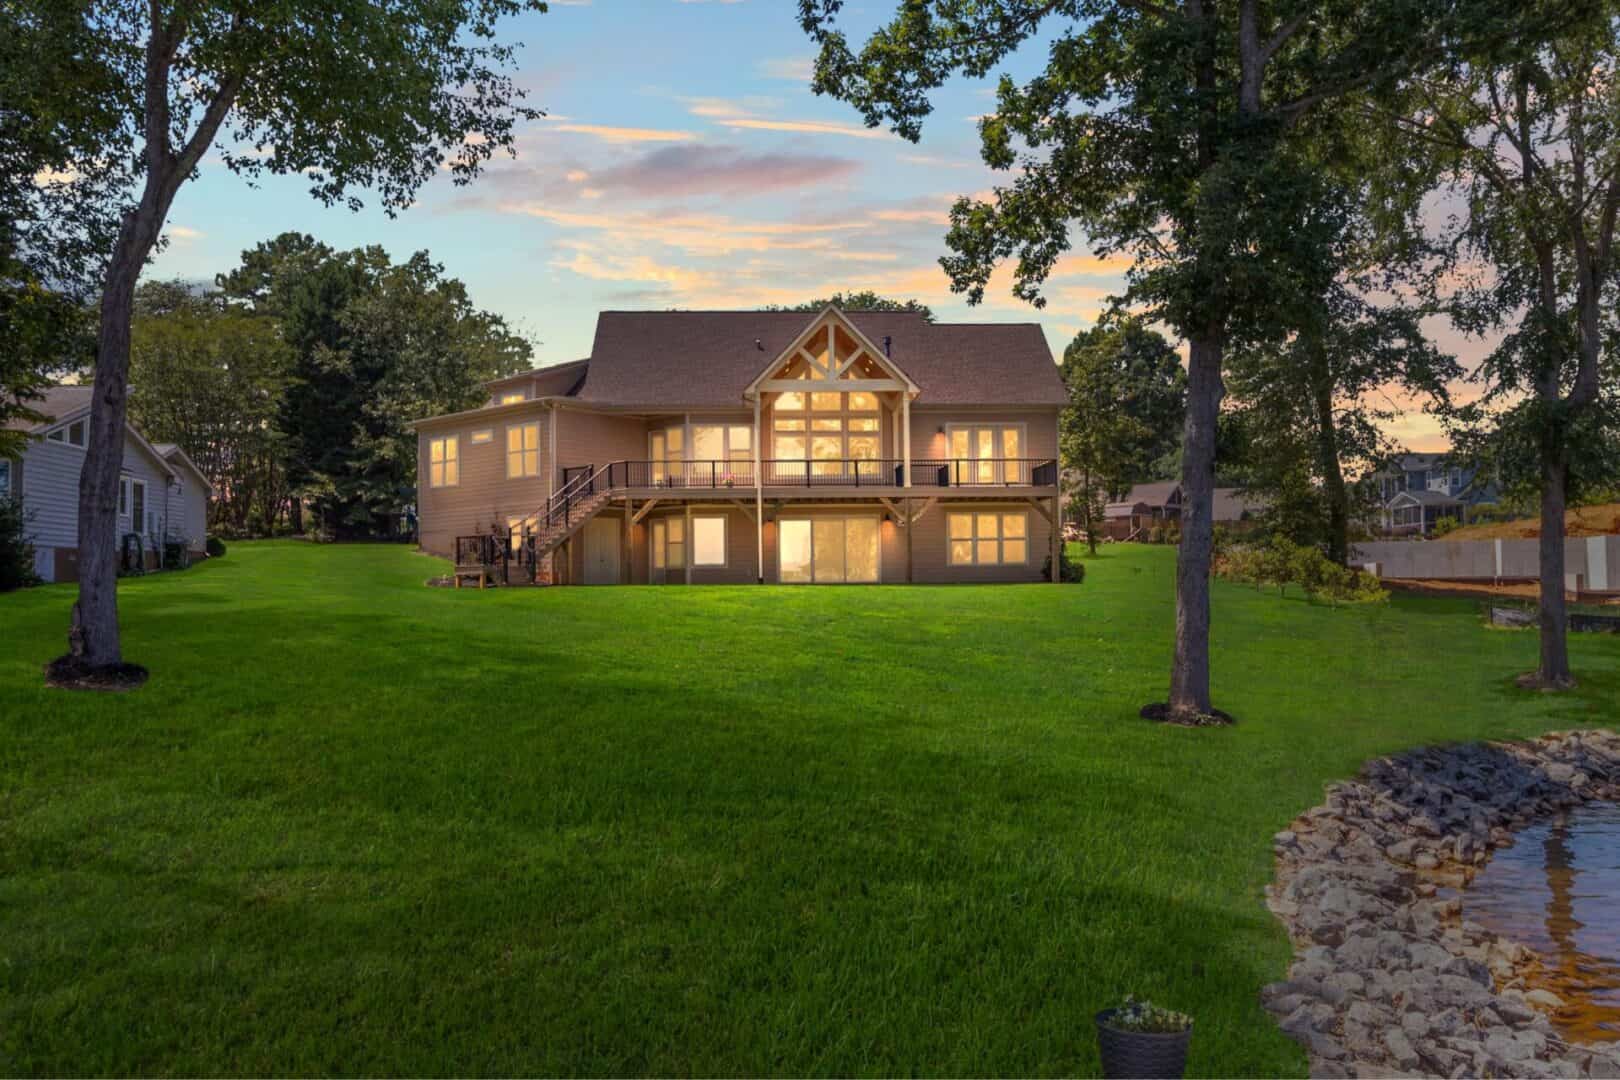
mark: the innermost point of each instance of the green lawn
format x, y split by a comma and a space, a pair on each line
354, 825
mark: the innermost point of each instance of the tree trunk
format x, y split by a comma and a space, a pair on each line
1189, 671
93, 635
1327, 450
1554, 669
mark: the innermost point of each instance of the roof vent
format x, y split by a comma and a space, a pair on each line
758, 344
887, 341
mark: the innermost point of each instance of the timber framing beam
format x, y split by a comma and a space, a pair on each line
645, 508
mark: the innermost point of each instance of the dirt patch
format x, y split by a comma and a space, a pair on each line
1160, 713
1582, 521
72, 673
1484, 590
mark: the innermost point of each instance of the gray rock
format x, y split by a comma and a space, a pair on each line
1400, 1048
1545, 998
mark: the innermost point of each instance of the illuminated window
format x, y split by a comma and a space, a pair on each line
514, 398
479, 438
708, 541
988, 539
523, 450
444, 462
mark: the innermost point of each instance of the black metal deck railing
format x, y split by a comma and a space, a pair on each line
583, 481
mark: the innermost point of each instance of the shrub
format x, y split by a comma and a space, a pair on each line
1155, 534
215, 548
1071, 569
1445, 525
16, 553
1281, 563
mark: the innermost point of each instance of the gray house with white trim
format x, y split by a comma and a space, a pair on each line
162, 493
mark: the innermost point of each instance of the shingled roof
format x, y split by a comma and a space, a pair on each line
56, 403
706, 358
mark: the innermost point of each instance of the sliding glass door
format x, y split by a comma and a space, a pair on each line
828, 550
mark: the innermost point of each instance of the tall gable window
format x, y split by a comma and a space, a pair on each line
523, 450
444, 462
837, 427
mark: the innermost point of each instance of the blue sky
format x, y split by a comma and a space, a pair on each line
685, 163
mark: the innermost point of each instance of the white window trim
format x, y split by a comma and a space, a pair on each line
124, 497
1001, 537
1000, 454
481, 436
522, 453
445, 441
725, 542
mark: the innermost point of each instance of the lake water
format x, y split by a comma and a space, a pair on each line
1557, 890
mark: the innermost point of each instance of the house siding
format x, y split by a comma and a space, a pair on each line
50, 494
484, 495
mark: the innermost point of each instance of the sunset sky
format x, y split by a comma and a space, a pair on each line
685, 163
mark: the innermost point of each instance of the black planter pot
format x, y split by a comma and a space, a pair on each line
1141, 1055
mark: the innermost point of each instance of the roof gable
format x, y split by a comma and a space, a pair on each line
801, 349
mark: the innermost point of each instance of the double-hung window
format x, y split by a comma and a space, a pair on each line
137, 505
988, 539
5, 479
444, 462
523, 450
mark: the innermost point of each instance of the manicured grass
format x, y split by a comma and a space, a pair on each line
355, 825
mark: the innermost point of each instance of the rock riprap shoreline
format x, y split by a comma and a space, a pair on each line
1387, 977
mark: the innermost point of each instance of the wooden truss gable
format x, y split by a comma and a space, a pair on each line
833, 352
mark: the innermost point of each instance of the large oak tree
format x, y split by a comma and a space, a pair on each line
370, 96
1167, 130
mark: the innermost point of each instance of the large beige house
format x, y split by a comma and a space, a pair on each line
759, 446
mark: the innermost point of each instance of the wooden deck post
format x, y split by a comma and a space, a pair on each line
905, 434
1057, 539
686, 546
759, 497
911, 527
629, 561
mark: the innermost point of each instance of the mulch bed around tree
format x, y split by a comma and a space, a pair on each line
1159, 712
72, 673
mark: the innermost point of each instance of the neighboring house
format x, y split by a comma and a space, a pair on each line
1143, 505
743, 446
1423, 488
162, 493
1146, 504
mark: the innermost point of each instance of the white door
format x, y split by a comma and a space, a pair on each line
602, 551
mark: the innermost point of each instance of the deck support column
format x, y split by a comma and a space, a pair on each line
629, 559
905, 435
759, 499
911, 527
686, 545
1057, 539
